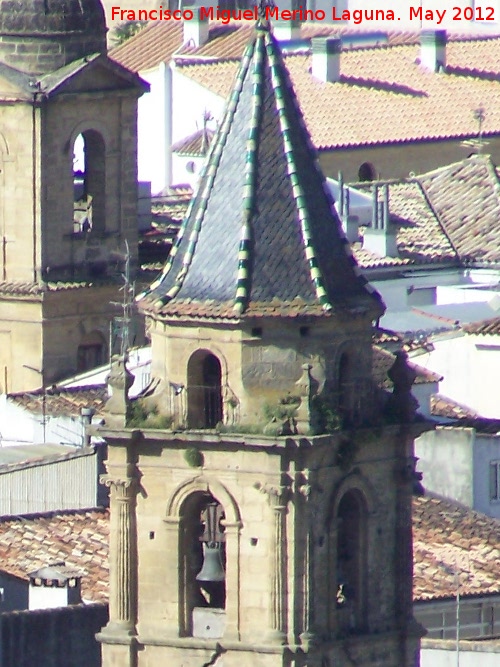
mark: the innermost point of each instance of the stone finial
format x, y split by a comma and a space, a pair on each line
120, 379
305, 391
402, 405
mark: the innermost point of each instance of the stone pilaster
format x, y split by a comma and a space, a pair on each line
233, 585
278, 500
122, 553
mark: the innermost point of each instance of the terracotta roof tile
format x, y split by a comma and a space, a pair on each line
442, 406
446, 536
79, 538
382, 362
196, 144
489, 327
386, 84
58, 401
449, 538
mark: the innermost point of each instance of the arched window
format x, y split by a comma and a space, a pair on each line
203, 567
351, 561
367, 172
89, 177
91, 351
204, 390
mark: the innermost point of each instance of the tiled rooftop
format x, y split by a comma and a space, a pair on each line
449, 215
442, 406
490, 327
57, 401
79, 538
382, 362
384, 96
196, 144
160, 40
261, 231
449, 538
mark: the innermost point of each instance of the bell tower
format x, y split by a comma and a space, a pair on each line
68, 183
270, 523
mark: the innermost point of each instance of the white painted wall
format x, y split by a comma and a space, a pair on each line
446, 461
189, 102
470, 366
478, 654
154, 129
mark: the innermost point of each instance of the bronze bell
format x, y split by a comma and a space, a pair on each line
212, 568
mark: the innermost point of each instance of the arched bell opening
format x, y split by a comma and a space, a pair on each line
204, 390
351, 559
203, 563
89, 179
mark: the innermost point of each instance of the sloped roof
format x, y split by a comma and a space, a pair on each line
160, 40
446, 535
48, 85
59, 401
449, 538
197, 143
489, 327
449, 215
79, 538
383, 361
384, 95
261, 228
28, 456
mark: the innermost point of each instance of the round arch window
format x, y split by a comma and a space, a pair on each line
367, 172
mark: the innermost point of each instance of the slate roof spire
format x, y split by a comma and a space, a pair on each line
261, 228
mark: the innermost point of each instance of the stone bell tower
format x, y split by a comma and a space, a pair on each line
64, 219
271, 524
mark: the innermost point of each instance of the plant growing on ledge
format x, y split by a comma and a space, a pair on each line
325, 418
142, 417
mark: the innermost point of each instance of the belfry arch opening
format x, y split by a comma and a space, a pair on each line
204, 390
89, 178
351, 560
203, 566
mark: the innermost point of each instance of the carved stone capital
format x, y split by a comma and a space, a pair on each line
277, 495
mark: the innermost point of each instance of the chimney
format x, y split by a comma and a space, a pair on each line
326, 58
433, 50
286, 31
381, 237
196, 31
54, 586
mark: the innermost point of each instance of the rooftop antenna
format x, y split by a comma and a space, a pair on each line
480, 116
126, 305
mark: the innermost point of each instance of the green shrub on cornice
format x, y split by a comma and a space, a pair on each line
142, 417
324, 417
284, 409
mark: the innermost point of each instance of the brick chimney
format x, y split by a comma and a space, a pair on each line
326, 58
380, 237
196, 31
433, 49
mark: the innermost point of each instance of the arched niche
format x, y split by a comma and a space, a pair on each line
204, 390
348, 526
215, 603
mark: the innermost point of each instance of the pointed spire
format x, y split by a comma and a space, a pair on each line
261, 230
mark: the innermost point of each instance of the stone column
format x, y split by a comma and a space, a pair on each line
233, 592
122, 553
278, 499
